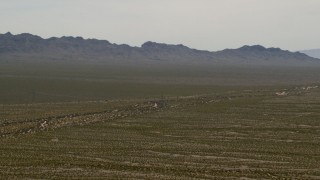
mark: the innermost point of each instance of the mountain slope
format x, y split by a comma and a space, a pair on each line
312, 53
76, 49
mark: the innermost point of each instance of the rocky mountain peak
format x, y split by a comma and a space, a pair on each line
252, 48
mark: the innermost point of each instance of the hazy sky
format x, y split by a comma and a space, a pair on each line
201, 24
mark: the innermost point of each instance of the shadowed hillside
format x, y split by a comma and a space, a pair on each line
28, 47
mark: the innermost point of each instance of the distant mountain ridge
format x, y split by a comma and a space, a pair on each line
312, 53
28, 46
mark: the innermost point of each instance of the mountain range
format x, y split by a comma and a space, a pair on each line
28, 47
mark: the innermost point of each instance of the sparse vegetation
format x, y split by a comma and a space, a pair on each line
239, 133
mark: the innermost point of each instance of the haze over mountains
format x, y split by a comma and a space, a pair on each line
30, 47
312, 53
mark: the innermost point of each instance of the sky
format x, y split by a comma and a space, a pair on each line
201, 24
